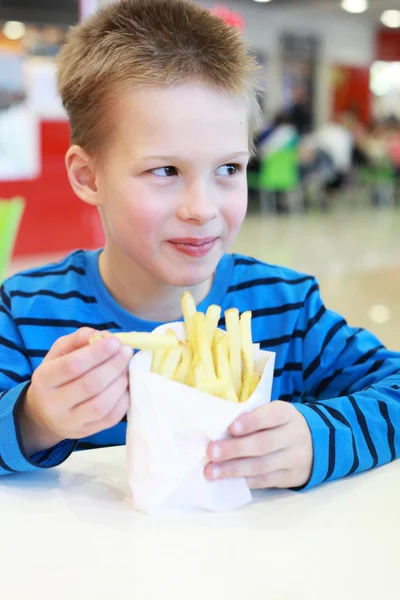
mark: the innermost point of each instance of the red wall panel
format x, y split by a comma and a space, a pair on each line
352, 91
55, 220
388, 45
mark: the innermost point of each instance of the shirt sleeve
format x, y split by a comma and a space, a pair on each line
15, 377
350, 394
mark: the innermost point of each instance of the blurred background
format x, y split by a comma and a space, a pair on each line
324, 184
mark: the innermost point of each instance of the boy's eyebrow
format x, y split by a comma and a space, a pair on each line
230, 157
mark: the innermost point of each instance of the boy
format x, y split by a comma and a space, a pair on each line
161, 98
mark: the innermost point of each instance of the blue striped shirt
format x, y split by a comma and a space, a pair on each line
343, 380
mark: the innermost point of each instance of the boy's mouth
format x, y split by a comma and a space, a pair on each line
196, 247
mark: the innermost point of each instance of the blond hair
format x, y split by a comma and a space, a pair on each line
137, 43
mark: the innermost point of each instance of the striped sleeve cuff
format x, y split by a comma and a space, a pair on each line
321, 439
334, 444
12, 456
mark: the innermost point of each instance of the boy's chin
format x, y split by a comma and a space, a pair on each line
189, 279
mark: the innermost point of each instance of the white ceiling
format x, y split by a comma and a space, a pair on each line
376, 7
373, 4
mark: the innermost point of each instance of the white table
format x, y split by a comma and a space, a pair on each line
69, 534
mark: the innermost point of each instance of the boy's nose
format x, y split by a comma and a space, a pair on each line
198, 207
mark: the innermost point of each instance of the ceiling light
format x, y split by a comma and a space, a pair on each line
14, 30
262, 0
391, 18
355, 6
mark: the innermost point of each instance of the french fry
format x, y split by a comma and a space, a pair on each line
235, 359
203, 346
247, 355
231, 395
255, 380
143, 341
189, 379
219, 334
199, 375
160, 355
182, 371
171, 362
188, 306
223, 368
219, 387
222, 359
213, 315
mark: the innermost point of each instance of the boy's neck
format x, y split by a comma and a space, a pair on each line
141, 294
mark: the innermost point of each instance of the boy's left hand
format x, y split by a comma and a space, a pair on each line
271, 447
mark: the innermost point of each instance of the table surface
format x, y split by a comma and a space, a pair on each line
69, 534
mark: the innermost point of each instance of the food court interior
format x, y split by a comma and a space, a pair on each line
324, 182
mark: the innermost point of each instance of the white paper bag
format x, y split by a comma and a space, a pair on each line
169, 428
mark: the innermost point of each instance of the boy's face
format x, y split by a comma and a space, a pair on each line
172, 184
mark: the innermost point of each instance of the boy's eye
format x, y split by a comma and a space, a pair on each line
165, 171
228, 170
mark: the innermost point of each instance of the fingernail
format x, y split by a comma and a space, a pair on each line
127, 350
237, 427
216, 451
112, 344
216, 472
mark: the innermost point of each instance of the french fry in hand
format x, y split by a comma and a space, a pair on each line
142, 341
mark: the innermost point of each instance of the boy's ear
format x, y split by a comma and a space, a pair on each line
81, 174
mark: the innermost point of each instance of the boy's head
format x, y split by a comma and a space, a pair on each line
135, 44
161, 98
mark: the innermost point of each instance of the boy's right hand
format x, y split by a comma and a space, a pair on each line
77, 391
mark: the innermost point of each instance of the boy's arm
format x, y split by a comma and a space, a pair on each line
15, 376
350, 395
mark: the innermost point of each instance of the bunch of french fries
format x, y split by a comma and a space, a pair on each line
210, 360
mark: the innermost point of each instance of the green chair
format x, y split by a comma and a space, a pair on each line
279, 173
11, 212
380, 180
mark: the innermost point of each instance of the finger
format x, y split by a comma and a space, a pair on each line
114, 417
97, 380
276, 479
68, 343
269, 416
66, 369
255, 444
247, 467
98, 407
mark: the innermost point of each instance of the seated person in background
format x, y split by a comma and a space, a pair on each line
335, 140
161, 98
280, 135
377, 147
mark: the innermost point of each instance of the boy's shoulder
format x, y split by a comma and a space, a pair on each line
248, 271
50, 275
